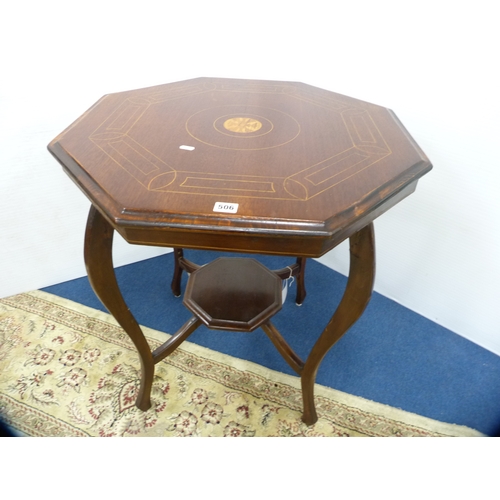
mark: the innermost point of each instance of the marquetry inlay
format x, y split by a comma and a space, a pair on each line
242, 125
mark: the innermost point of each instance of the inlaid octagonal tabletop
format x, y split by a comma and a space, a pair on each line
238, 156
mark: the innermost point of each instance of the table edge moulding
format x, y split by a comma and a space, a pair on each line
246, 166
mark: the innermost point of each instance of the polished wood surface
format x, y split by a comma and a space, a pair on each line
237, 294
240, 165
296, 270
99, 263
354, 301
306, 167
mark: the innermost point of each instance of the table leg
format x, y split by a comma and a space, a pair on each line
301, 281
99, 263
176, 279
354, 301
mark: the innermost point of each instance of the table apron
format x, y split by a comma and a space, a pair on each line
244, 242
297, 244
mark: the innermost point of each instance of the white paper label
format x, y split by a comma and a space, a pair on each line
224, 207
284, 292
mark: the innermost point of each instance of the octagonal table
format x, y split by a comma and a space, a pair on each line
238, 165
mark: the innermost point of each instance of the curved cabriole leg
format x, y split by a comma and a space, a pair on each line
99, 264
356, 297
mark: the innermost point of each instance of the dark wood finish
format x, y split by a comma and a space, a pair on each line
236, 294
99, 264
354, 301
307, 168
321, 166
301, 281
296, 270
178, 255
176, 340
283, 347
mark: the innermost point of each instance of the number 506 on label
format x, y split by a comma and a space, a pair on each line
228, 208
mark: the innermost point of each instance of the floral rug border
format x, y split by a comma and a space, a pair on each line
346, 414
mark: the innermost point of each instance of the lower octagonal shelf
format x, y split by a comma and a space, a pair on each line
232, 293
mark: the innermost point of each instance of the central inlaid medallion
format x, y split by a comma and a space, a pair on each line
240, 128
242, 125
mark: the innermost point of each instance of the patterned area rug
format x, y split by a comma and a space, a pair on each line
69, 370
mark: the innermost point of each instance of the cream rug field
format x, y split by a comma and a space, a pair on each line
68, 370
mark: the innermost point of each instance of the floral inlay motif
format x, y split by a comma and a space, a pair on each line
242, 125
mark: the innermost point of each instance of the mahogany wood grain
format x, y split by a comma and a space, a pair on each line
236, 293
246, 166
176, 340
354, 301
99, 264
283, 347
296, 270
306, 166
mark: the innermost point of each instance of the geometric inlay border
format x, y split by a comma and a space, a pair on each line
368, 147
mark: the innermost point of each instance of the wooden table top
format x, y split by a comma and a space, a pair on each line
239, 164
